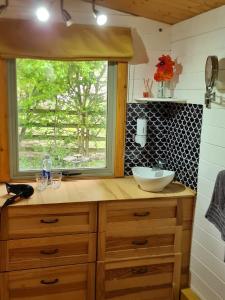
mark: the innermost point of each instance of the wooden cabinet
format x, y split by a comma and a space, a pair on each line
141, 248
48, 252
128, 249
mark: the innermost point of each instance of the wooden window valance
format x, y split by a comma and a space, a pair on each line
29, 39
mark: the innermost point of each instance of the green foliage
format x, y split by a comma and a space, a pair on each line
62, 109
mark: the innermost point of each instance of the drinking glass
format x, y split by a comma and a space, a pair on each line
42, 182
56, 178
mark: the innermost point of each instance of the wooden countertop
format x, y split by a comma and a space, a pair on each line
97, 190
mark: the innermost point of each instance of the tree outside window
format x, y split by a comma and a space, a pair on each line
62, 110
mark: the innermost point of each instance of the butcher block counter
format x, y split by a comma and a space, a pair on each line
96, 239
98, 190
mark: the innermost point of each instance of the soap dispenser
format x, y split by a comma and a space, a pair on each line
141, 136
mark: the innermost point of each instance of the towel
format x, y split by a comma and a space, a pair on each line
216, 210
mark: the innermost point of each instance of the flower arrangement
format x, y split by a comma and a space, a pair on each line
164, 71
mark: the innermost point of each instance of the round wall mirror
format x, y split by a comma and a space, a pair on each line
211, 71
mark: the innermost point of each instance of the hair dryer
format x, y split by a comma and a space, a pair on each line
21, 191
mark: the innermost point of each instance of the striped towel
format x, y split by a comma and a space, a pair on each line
216, 210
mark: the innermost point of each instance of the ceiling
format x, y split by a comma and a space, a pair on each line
166, 11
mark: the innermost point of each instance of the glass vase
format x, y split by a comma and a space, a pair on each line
161, 92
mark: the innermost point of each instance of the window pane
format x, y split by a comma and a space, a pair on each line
62, 111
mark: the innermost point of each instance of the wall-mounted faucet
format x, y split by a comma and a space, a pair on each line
140, 137
158, 168
159, 165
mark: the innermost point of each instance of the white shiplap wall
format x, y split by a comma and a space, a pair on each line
156, 43
192, 41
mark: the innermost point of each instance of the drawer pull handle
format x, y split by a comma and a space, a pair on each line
142, 214
49, 252
50, 221
138, 271
54, 281
140, 242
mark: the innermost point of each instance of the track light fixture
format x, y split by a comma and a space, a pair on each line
101, 18
66, 16
4, 6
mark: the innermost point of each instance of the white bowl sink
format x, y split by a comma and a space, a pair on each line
152, 180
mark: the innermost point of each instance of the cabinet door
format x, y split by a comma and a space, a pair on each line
48, 220
69, 283
34, 253
145, 279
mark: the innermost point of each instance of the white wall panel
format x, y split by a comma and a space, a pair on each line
212, 244
203, 289
213, 135
192, 41
208, 259
210, 278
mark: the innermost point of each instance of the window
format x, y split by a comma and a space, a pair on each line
65, 109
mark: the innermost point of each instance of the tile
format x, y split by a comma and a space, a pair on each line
173, 136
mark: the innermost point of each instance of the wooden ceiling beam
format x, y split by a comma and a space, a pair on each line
170, 12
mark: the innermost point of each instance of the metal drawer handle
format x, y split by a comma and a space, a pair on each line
140, 242
49, 252
54, 281
138, 271
142, 214
50, 221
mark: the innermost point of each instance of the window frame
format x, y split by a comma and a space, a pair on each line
112, 119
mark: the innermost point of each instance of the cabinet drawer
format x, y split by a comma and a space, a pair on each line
47, 220
70, 282
145, 279
50, 251
140, 242
129, 215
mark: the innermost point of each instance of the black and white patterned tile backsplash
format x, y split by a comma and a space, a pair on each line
173, 136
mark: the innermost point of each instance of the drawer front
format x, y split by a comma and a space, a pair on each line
50, 251
70, 282
145, 279
145, 242
47, 220
128, 215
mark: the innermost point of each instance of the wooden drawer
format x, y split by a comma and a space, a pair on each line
69, 283
145, 279
47, 220
49, 251
139, 242
115, 217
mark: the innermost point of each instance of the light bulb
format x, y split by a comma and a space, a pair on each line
101, 19
42, 14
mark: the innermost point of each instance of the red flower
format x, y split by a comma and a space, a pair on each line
164, 70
